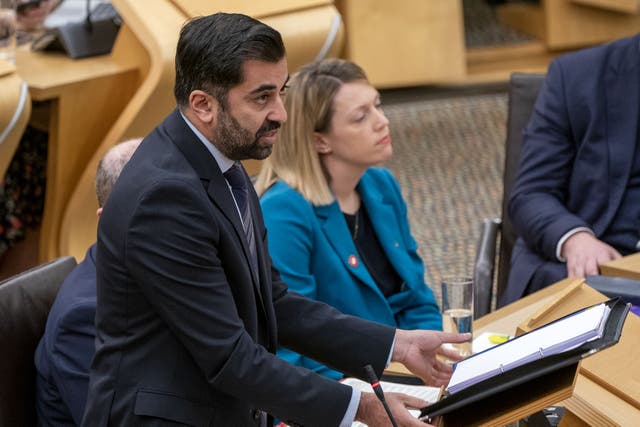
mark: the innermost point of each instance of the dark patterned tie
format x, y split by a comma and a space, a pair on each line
239, 186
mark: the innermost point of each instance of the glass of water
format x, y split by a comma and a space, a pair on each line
457, 308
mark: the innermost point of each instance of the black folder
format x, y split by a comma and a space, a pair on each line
516, 387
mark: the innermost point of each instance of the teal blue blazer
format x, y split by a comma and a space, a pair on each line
311, 247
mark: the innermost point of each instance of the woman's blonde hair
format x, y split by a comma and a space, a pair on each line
309, 104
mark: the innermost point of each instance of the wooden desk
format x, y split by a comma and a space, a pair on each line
628, 266
593, 402
86, 95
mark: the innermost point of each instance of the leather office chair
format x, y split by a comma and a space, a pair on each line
25, 301
15, 109
523, 91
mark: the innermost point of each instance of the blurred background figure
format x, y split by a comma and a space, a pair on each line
32, 14
65, 350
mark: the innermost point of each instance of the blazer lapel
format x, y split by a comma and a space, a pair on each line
622, 98
207, 168
337, 233
385, 224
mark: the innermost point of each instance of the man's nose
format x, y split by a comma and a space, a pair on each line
279, 113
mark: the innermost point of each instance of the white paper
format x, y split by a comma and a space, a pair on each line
430, 394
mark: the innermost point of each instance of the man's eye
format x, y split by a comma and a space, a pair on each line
262, 99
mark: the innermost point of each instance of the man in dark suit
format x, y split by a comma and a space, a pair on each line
65, 350
576, 200
190, 310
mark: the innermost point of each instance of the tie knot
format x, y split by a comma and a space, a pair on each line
235, 177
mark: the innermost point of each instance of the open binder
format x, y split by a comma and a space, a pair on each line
548, 379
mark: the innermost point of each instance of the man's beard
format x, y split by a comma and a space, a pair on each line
237, 143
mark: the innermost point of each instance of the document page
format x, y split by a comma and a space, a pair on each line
556, 337
430, 394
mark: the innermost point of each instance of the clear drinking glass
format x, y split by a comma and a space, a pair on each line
457, 308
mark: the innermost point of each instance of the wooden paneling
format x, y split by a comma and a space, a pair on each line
628, 266
525, 17
624, 6
257, 9
565, 24
405, 43
86, 98
496, 63
15, 109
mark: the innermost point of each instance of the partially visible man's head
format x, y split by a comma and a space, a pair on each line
212, 49
110, 167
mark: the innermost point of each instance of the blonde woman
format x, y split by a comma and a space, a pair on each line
338, 228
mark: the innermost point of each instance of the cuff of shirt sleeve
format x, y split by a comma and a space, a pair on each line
565, 237
393, 344
352, 409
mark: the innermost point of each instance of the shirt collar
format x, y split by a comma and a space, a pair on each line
224, 163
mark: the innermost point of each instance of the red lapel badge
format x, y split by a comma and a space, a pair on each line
353, 261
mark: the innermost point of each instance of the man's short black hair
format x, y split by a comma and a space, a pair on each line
212, 49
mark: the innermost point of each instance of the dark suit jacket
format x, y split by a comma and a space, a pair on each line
577, 154
65, 350
184, 332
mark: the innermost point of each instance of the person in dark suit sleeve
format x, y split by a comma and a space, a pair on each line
190, 310
64, 352
575, 202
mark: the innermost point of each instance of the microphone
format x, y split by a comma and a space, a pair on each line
88, 22
377, 389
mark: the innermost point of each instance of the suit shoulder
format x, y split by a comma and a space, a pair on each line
76, 300
616, 54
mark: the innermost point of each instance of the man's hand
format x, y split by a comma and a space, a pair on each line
417, 351
372, 413
584, 253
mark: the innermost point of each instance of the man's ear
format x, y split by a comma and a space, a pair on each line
204, 106
321, 143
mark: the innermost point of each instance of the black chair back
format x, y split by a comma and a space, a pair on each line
523, 92
25, 301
